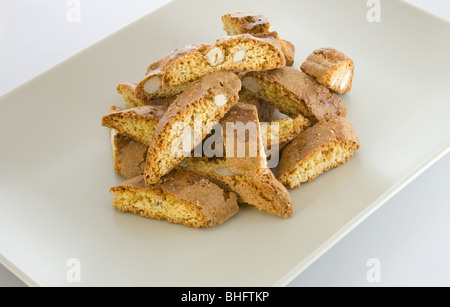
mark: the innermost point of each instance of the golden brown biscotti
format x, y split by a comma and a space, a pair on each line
325, 145
265, 110
244, 150
245, 22
283, 130
138, 123
188, 120
293, 92
264, 192
331, 68
128, 155
257, 25
179, 197
175, 72
128, 92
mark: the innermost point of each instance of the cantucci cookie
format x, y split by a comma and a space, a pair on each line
257, 25
264, 192
331, 68
188, 120
179, 197
245, 22
293, 92
325, 145
138, 123
128, 92
244, 150
176, 71
281, 131
265, 110
128, 155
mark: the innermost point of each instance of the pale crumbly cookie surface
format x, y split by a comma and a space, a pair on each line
326, 145
179, 197
293, 92
331, 68
188, 120
138, 123
264, 192
175, 72
244, 150
281, 131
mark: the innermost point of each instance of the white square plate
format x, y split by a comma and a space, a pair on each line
56, 164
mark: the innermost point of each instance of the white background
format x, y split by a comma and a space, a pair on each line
409, 235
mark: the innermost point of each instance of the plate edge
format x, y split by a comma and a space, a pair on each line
358, 219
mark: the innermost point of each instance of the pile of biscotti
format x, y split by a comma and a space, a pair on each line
192, 92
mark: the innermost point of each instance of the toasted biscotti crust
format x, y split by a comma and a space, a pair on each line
331, 68
264, 192
175, 72
244, 150
128, 155
179, 197
319, 148
245, 22
138, 123
293, 92
199, 107
257, 25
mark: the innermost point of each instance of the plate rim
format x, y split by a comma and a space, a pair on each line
329, 243
363, 215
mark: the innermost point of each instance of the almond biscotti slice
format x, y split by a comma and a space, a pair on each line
188, 120
325, 145
257, 25
175, 72
138, 123
128, 155
287, 128
179, 197
128, 92
265, 110
331, 68
245, 22
293, 92
244, 150
264, 192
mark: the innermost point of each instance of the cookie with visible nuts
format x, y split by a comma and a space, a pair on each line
257, 25
293, 92
175, 72
128, 92
325, 145
180, 197
188, 120
245, 22
331, 68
